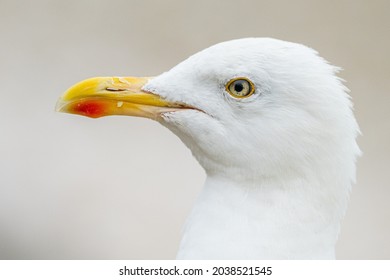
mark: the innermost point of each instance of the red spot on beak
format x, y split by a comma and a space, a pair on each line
90, 108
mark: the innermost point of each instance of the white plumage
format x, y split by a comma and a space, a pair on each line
279, 163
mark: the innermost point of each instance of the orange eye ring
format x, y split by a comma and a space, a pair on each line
240, 87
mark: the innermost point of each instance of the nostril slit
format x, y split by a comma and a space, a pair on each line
115, 89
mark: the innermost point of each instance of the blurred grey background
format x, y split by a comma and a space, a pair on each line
120, 187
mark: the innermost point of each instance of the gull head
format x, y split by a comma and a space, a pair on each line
246, 108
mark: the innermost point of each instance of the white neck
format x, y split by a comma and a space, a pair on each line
269, 219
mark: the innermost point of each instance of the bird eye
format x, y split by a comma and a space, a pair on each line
240, 87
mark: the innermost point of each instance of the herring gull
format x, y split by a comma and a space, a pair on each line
273, 127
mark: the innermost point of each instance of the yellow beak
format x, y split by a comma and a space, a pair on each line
104, 96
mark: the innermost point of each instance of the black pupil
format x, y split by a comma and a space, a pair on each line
238, 87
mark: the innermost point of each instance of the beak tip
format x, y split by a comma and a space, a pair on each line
59, 105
